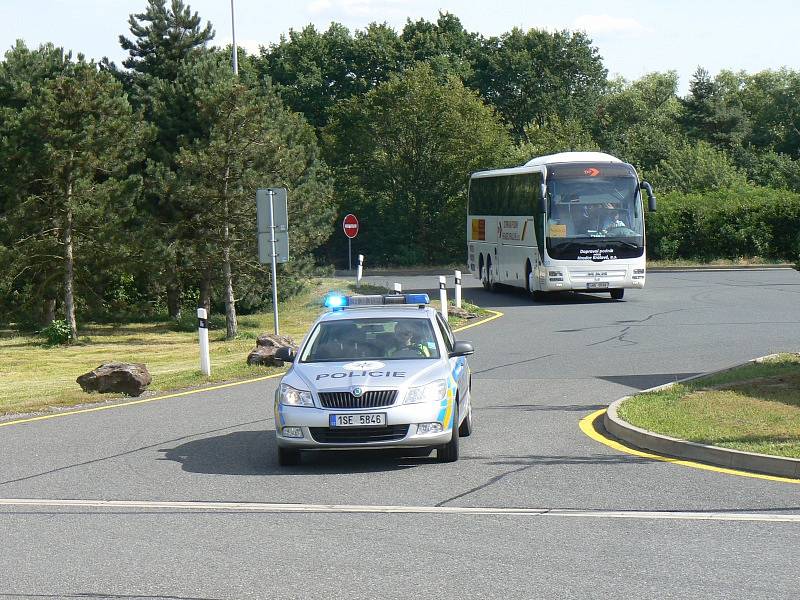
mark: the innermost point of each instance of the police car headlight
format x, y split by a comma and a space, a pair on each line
293, 397
432, 392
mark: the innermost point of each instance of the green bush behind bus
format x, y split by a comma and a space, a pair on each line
726, 224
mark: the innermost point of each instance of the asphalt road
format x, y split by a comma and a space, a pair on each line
603, 523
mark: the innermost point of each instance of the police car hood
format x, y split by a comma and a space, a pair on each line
385, 374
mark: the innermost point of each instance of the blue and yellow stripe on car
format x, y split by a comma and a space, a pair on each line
446, 412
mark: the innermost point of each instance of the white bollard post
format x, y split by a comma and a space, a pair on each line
398, 288
360, 269
458, 288
202, 329
443, 295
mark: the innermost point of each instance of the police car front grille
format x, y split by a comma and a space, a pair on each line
358, 435
371, 399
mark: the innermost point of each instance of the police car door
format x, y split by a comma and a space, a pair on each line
457, 364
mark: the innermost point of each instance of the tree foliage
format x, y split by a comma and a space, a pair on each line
162, 39
71, 147
250, 141
403, 154
148, 172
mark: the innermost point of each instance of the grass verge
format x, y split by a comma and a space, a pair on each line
35, 377
755, 408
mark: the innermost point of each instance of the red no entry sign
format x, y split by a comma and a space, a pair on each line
350, 226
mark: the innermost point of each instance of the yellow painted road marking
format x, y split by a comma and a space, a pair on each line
495, 315
587, 426
266, 507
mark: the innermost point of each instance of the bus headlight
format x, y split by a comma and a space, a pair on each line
292, 397
432, 392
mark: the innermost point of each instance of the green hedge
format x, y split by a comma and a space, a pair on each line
726, 224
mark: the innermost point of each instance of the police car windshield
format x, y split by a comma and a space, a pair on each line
380, 338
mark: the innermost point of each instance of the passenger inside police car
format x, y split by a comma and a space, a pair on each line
338, 340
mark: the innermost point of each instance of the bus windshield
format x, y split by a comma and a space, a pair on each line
594, 218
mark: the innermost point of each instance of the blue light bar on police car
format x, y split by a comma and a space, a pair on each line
335, 301
338, 301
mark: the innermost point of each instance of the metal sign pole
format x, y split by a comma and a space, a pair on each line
349, 253
274, 257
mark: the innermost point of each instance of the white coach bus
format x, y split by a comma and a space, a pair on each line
568, 221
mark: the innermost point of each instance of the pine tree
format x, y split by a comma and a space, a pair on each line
250, 140
73, 144
163, 38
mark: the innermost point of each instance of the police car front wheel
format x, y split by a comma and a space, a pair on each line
449, 452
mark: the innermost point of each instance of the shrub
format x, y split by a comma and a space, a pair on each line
57, 333
726, 224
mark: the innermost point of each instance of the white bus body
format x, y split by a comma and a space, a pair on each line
568, 221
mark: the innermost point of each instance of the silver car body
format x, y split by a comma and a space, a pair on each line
365, 376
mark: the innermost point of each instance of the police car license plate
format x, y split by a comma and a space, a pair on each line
358, 420
597, 284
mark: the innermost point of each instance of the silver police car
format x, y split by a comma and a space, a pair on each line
375, 372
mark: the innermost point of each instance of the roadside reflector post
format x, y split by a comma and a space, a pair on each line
360, 269
443, 295
398, 288
458, 288
202, 329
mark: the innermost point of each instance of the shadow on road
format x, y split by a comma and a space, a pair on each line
255, 453
643, 382
543, 407
507, 296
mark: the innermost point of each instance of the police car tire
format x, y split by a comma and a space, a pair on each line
449, 452
466, 426
288, 457
617, 294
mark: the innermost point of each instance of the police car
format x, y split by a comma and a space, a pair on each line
380, 371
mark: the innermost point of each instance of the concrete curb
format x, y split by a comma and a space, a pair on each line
722, 457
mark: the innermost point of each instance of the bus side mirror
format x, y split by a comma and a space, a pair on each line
541, 203
651, 198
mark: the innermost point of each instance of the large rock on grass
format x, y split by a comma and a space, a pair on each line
267, 345
130, 379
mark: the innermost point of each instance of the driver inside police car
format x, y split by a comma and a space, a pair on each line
408, 340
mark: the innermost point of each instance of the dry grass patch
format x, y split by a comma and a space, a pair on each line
35, 377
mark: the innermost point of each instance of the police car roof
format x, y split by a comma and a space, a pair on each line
400, 311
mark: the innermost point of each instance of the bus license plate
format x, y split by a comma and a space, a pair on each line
358, 420
597, 284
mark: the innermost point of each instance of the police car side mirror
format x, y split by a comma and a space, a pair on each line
462, 349
285, 353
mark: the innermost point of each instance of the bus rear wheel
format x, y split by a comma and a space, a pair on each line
617, 294
486, 279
